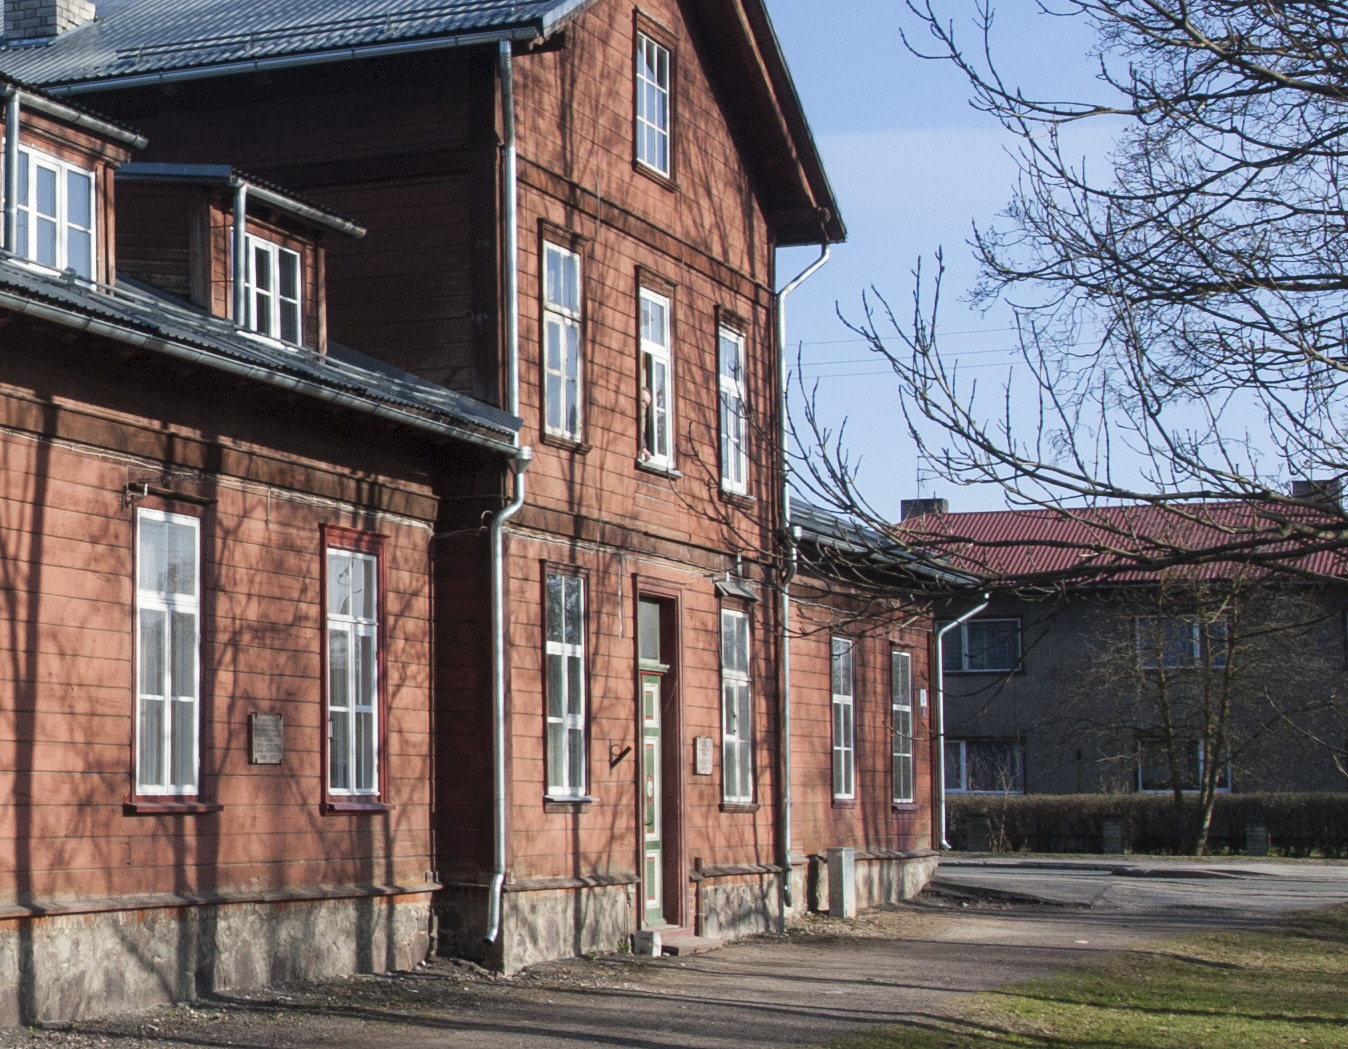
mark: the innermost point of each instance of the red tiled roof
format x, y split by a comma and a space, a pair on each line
1133, 544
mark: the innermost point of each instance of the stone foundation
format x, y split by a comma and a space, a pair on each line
538, 923
739, 905
72, 964
881, 878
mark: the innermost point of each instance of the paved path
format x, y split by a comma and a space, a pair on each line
908, 965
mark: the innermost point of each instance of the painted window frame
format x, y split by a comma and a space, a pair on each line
960, 637
567, 321
366, 548
172, 606
29, 220
738, 774
902, 766
656, 380
565, 673
959, 748
278, 303
733, 413
1208, 644
654, 99
842, 676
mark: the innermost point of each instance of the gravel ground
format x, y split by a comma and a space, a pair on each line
824, 977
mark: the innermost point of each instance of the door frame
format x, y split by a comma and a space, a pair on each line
674, 851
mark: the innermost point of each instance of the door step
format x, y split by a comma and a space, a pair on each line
679, 943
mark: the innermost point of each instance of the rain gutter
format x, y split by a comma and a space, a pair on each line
940, 711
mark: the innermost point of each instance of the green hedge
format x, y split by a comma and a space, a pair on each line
1298, 824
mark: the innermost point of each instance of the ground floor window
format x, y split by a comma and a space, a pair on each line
1159, 765
565, 627
353, 656
984, 766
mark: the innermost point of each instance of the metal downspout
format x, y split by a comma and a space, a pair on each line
523, 456
940, 709
792, 537
240, 273
11, 170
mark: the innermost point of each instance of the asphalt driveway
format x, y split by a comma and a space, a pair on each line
988, 923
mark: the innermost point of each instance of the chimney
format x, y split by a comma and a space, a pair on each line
918, 507
1326, 494
31, 20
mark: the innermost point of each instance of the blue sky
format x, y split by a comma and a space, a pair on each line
912, 165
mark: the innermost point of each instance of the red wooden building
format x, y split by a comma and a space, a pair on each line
488, 505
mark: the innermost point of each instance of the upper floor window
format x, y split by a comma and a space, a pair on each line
353, 666
982, 646
901, 703
561, 341
55, 214
168, 610
734, 418
657, 401
653, 104
1180, 642
737, 725
565, 683
844, 720
272, 291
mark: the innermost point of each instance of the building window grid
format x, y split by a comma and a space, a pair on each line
652, 104
982, 646
1181, 642
844, 719
901, 701
566, 714
657, 424
734, 415
54, 212
353, 672
983, 766
272, 291
1154, 775
168, 642
561, 341
737, 739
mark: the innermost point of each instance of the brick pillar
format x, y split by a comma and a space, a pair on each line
40, 19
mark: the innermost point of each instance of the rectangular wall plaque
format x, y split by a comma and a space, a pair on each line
265, 738
703, 750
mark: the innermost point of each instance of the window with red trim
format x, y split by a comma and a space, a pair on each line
353, 656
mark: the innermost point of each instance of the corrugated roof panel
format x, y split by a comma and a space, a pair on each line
132, 37
1108, 541
348, 372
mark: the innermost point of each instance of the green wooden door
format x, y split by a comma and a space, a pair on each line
652, 888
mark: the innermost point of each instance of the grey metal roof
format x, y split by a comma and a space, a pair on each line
147, 37
852, 539
133, 313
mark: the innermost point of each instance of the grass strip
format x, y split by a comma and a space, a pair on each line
1286, 986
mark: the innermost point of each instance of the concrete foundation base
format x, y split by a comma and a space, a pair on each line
740, 906
880, 878
78, 965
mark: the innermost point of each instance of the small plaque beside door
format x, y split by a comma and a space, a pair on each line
703, 750
265, 739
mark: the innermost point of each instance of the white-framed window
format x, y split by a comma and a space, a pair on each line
1155, 773
1180, 642
844, 719
353, 672
657, 400
737, 724
168, 644
55, 213
984, 766
272, 291
561, 341
652, 104
565, 616
734, 416
901, 726
982, 646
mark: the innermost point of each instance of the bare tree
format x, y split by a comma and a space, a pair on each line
1181, 310
1197, 683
